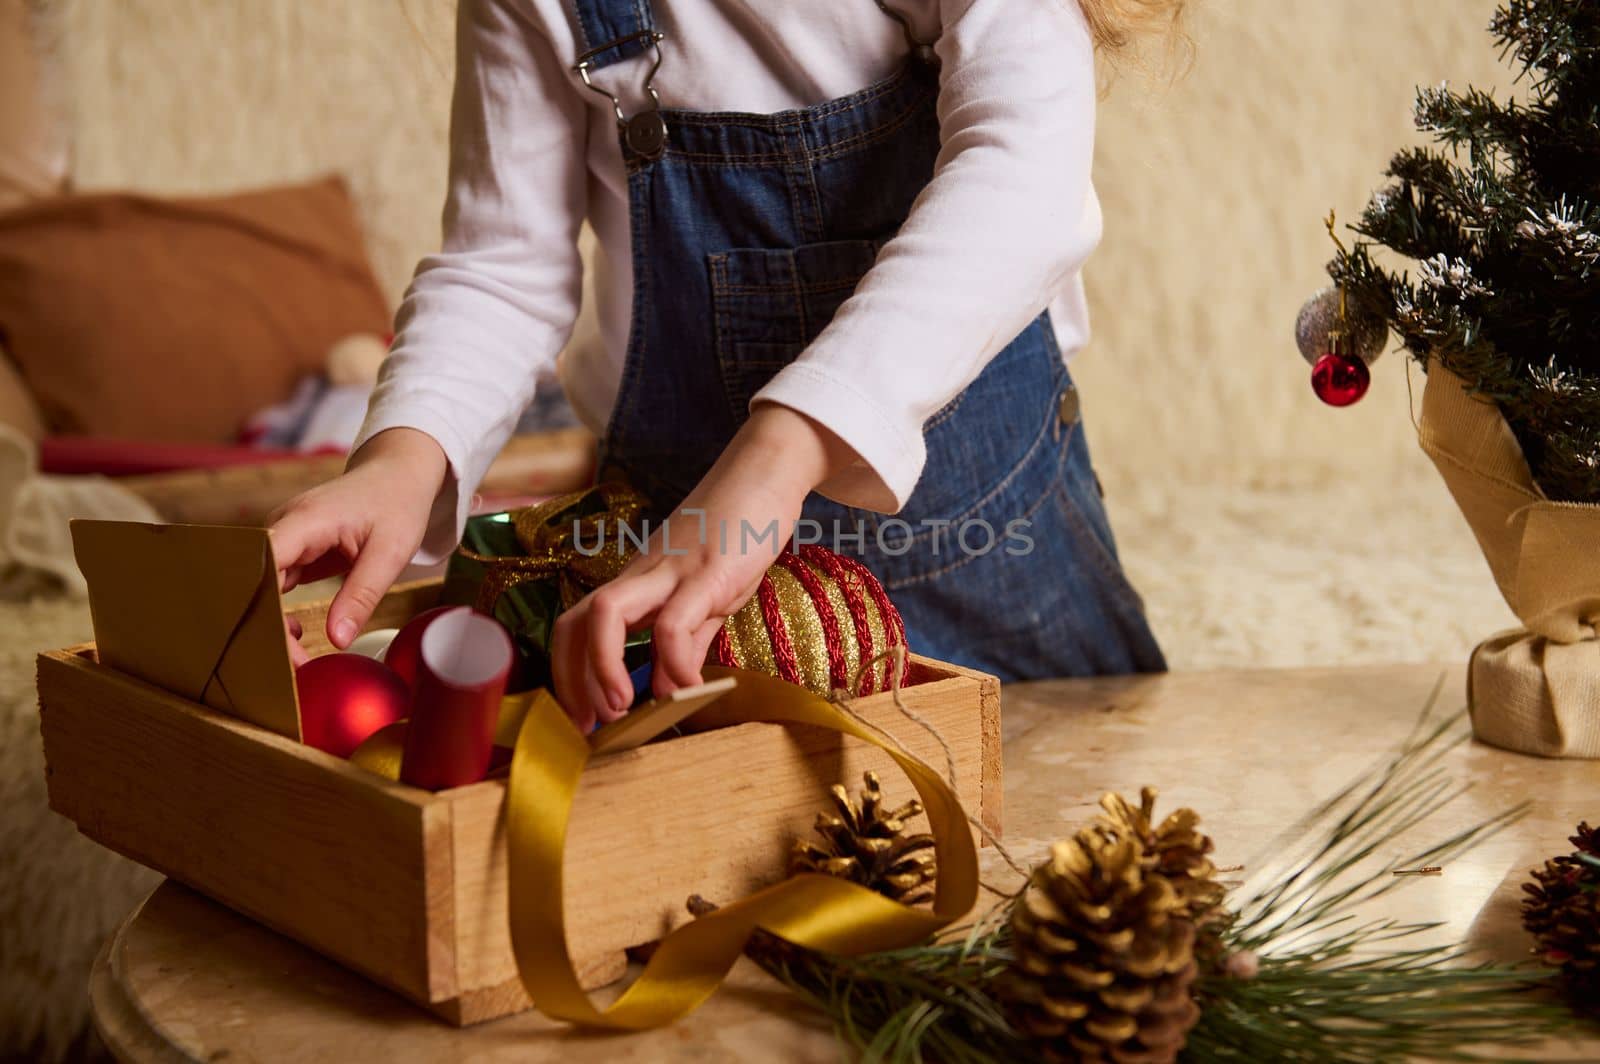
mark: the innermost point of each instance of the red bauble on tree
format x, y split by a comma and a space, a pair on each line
346, 697
1340, 380
1339, 339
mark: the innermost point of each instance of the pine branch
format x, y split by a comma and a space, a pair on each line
1329, 989
1553, 43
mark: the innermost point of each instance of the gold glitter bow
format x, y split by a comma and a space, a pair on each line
581, 552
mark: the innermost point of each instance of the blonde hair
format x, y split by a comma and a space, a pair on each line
1118, 25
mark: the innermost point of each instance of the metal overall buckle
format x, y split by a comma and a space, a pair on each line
646, 132
921, 50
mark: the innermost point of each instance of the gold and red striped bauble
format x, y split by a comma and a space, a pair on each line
816, 618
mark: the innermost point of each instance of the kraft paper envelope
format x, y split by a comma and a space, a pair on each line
193, 609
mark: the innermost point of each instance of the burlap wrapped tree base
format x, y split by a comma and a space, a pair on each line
1534, 689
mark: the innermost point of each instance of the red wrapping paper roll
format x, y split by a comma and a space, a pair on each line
404, 649
465, 660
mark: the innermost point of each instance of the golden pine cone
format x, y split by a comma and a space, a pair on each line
1562, 911
1104, 949
867, 844
1175, 848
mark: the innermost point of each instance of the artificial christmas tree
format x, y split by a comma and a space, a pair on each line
1501, 218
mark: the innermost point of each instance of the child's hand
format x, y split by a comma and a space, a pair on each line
370, 520
762, 477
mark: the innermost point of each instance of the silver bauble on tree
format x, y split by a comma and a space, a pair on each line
1363, 335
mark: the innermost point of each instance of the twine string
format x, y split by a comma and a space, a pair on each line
841, 698
1411, 401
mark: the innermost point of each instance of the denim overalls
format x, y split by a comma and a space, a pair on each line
748, 233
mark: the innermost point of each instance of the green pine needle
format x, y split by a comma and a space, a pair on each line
1331, 987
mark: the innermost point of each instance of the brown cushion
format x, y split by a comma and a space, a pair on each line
176, 319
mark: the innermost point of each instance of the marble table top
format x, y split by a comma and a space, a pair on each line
186, 979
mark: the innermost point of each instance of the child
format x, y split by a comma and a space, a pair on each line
848, 303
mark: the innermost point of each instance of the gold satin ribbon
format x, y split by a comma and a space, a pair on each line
383, 750
814, 911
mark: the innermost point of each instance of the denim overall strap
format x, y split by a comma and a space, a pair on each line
749, 231
610, 31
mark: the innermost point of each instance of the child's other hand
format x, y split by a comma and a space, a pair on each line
761, 479
370, 521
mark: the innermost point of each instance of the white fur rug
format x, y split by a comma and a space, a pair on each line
1232, 578
1242, 578
60, 894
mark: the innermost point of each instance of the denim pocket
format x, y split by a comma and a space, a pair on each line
1083, 508
768, 305
991, 475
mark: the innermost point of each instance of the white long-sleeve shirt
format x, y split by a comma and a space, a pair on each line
999, 234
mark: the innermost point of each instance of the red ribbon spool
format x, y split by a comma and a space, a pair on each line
464, 662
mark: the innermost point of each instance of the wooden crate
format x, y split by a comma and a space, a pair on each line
408, 887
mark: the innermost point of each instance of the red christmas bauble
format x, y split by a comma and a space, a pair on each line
405, 650
346, 697
1340, 380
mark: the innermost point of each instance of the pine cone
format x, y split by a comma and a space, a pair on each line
1104, 955
1175, 848
1562, 911
867, 844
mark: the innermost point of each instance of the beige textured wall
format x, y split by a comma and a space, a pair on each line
33, 157
1213, 188
209, 95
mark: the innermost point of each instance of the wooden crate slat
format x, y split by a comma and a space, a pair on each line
397, 607
307, 844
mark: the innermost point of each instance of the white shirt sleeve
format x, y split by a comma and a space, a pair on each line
1008, 218
495, 306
